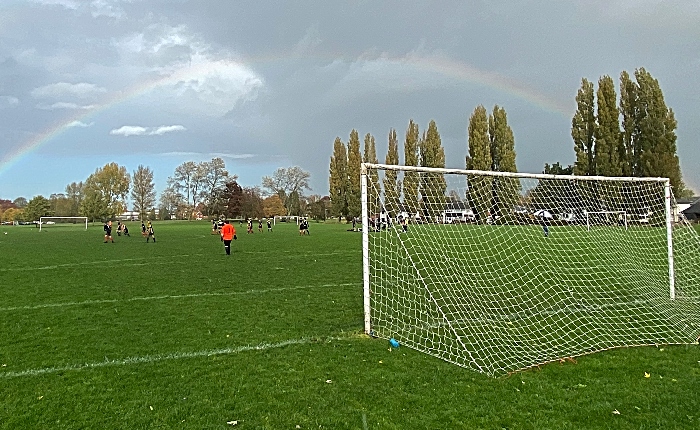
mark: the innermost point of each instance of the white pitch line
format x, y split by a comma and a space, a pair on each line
89, 263
165, 297
165, 357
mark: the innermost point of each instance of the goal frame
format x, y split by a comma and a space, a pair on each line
41, 219
588, 220
366, 167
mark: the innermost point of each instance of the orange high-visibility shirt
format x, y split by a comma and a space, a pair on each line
228, 231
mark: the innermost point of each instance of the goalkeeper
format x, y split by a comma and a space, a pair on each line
228, 233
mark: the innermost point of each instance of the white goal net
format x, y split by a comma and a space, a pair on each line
499, 272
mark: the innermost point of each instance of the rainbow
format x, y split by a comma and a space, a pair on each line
448, 67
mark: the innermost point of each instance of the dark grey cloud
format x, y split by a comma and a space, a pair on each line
275, 82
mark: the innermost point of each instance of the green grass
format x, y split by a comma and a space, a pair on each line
175, 334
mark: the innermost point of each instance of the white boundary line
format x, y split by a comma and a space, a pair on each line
149, 260
89, 263
165, 297
166, 357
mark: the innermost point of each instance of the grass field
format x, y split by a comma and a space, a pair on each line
137, 335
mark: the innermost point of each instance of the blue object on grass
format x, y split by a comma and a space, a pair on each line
394, 342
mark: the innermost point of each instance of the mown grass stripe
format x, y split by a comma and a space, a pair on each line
171, 296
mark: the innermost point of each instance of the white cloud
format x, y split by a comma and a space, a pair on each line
158, 131
79, 124
195, 76
135, 130
8, 101
97, 8
129, 130
68, 4
64, 105
64, 89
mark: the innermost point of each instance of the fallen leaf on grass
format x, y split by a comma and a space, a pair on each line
232, 423
616, 412
328, 381
647, 375
151, 407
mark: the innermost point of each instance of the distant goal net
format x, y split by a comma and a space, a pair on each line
66, 221
499, 272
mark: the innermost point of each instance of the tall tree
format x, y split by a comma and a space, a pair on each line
608, 140
411, 179
252, 202
370, 156
20, 202
143, 192
214, 175
657, 127
432, 185
629, 149
506, 191
392, 187
173, 203
479, 158
60, 204
112, 182
285, 181
37, 207
273, 206
94, 205
353, 188
338, 183
187, 181
233, 197
74, 193
583, 127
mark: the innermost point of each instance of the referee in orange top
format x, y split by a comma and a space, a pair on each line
228, 233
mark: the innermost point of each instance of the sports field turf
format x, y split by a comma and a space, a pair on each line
137, 335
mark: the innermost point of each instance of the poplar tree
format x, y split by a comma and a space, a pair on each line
143, 191
410, 179
338, 181
353, 177
583, 130
392, 186
370, 156
608, 140
432, 185
657, 133
629, 149
479, 158
506, 191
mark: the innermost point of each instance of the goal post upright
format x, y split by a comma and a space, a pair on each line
669, 240
365, 247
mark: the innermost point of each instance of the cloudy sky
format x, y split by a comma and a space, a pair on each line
267, 84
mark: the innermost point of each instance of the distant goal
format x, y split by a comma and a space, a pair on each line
57, 221
536, 268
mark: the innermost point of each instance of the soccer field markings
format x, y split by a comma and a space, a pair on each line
89, 263
172, 296
167, 357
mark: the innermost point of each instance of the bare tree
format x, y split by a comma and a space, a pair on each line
143, 191
285, 182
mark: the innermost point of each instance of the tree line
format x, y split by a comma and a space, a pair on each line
204, 188
633, 138
490, 147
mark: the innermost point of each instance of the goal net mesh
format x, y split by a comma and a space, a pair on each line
514, 277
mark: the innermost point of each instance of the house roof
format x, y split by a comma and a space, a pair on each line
693, 209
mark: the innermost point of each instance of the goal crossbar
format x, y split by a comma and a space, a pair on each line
44, 219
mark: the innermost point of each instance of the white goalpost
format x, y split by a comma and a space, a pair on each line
544, 268
605, 218
55, 220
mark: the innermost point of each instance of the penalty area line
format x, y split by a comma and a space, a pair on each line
171, 296
168, 357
